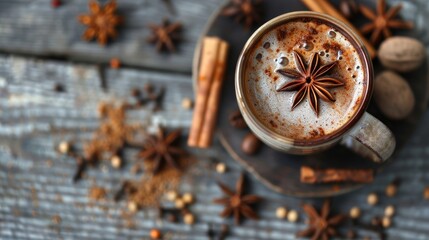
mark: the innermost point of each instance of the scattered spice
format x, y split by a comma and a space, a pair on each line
250, 144
236, 202
179, 203
281, 212
56, 219
64, 147
148, 95
171, 196
132, 206
382, 21
391, 190
372, 199
101, 22
389, 211
187, 103
58, 87
292, 216
310, 81
115, 63
189, 218
116, 161
55, 3
355, 212
220, 168
246, 12
236, 119
188, 198
97, 193
426, 193
160, 149
386, 222
349, 8
321, 226
165, 36
155, 234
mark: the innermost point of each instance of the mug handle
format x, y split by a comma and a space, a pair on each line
371, 139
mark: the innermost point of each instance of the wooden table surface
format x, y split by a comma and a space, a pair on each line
40, 46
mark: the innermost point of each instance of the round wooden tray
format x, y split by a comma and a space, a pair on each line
279, 171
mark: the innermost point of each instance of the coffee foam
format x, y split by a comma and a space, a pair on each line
273, 108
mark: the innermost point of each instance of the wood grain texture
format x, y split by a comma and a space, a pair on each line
34, 27
34, 119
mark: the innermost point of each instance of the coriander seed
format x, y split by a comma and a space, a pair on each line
386, 222
64, 147
171, 196
391, 190
426, 193
372, 199
188, 198
355, 212
132, 206
292, 216
221, 168
155, 234
389, 211
187, 103
189, 218
179, 203
116, 161
281, 212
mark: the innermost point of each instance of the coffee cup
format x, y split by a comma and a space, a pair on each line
303, 82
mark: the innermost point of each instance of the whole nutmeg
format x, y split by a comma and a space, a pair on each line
393, 95
250, 144
401, 54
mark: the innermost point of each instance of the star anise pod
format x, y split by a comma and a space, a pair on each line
320, 226
382, 21
165, 36
237, 203
161, 150
101, 22
310, 81
244, 11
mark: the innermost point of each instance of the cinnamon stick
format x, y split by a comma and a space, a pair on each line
324, 6
213, 101
207, 66
310, 175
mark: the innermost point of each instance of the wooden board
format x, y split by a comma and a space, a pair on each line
34, 118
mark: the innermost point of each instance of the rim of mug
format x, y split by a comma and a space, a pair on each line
256, 125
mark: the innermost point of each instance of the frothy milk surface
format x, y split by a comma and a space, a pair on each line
274, 51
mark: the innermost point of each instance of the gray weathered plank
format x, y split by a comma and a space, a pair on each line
34, 27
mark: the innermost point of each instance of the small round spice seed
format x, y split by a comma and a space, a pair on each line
115, 63
292, 216
189, 218
391, 190
386, 222
188, 198
372, 199
389, 211
187, 103
281, 212
426, 193
116, 161
64, 147
132, 206
171, 196
355, 212
221, 168
179, 203
155, 234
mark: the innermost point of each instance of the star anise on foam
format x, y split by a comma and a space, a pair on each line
165, 36
382, 21
237, 203
160, 149
310, 81
244, 11
321, 226
101, 22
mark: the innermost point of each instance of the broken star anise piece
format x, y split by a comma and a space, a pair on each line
101, 22
165, 36
310, 81
382, 21
320, 226
160, 149
244, 11
237, 203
